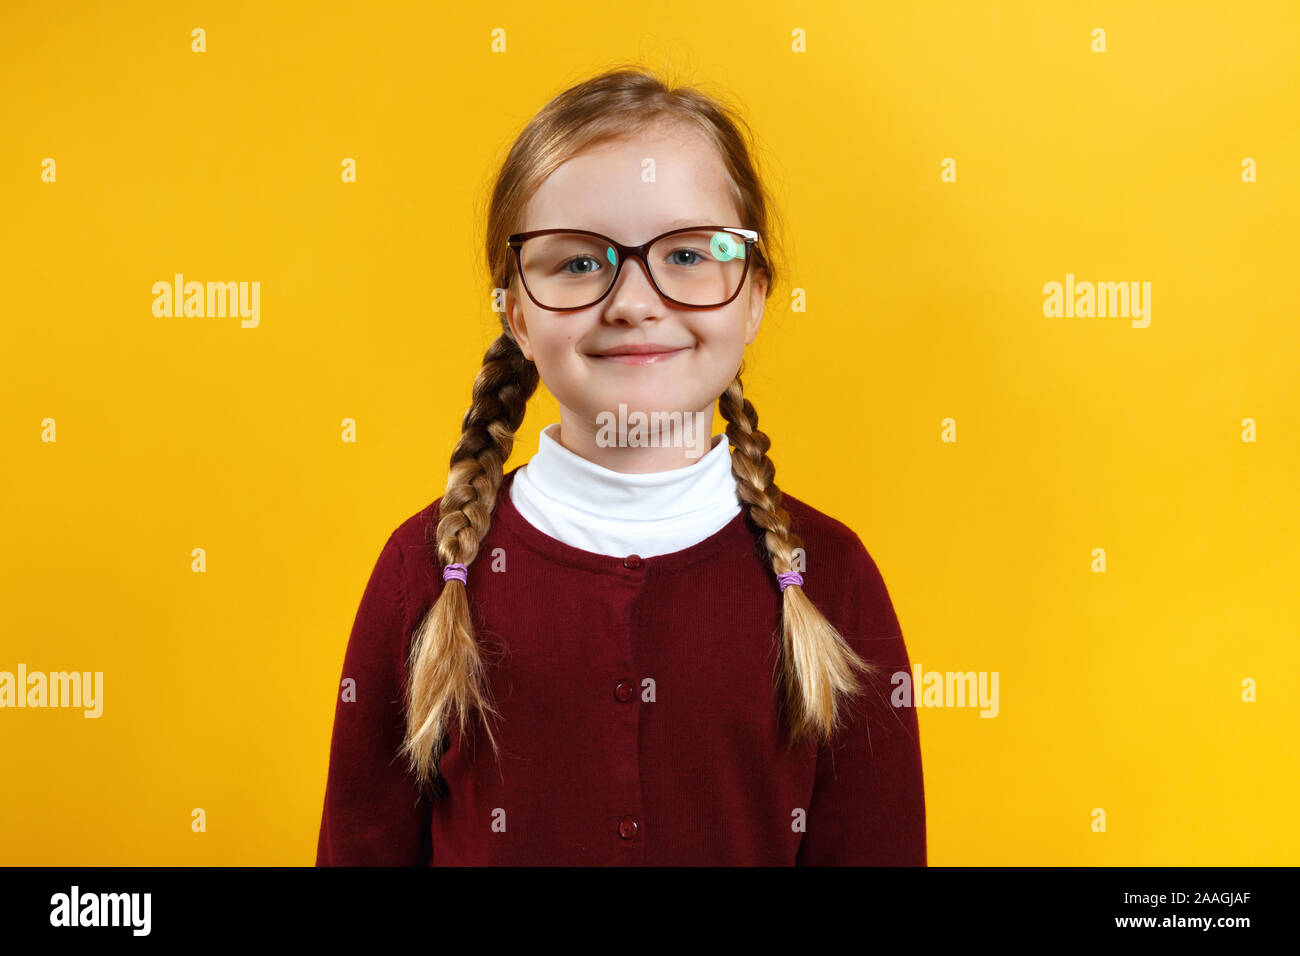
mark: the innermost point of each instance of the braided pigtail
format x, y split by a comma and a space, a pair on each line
445, 666
818, 665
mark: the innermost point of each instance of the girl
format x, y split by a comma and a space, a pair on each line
624, 619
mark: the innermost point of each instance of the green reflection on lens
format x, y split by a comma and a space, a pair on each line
725, 247
609, 254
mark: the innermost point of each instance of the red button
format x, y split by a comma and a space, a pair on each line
627, 829
632, 561
623, 691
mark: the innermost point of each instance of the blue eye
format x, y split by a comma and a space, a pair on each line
570, 262
690, 252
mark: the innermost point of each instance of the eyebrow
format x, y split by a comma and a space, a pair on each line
675, 224
679, 223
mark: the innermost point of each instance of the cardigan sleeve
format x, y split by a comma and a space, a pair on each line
868, 803
374, 814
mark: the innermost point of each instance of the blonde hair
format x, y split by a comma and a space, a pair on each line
445, 666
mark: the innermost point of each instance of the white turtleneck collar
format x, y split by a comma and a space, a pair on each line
609, 512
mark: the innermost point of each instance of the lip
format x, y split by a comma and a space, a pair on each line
637, 354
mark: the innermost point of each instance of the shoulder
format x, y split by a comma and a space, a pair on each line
827, 541
807, 520
411, 540
416, 534
841, 573
417, 528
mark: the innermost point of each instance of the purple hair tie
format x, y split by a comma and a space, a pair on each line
454, 572
788, 578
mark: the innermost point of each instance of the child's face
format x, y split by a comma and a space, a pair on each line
602, 189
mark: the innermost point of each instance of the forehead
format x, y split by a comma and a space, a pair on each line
637, 187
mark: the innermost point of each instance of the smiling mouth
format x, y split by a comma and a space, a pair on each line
638, 358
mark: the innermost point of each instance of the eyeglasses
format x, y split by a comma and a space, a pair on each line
699, 267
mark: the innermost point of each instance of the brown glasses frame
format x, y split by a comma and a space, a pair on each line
625, 253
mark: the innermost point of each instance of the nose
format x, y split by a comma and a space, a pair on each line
634, 295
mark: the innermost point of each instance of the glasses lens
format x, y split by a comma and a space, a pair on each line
568, 270
699, 268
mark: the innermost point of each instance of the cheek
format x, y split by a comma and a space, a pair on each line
545, 337
724, 350
558, 348
728, 336
557, 359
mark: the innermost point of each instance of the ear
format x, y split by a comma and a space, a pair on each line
514, 307
757, 301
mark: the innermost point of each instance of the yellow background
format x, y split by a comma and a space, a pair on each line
1118, 690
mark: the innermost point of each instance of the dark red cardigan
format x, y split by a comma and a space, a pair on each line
639, 707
